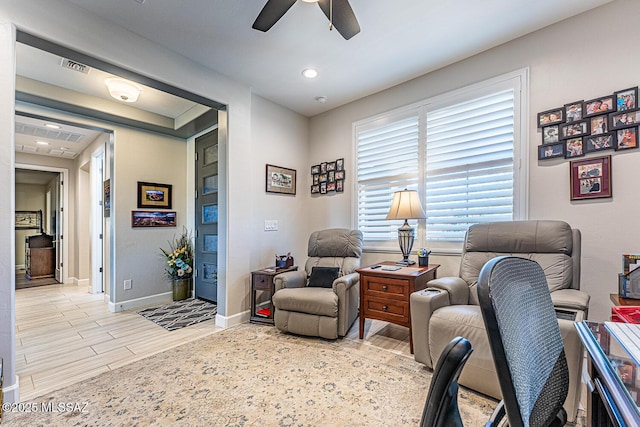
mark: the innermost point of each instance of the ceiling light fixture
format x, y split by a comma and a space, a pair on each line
52, 126
310, 73
321, 99
310, 1
42, 142
123, 90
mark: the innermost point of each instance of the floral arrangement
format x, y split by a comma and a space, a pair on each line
180, 257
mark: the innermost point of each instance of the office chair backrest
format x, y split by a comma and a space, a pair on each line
441, 406
525, 340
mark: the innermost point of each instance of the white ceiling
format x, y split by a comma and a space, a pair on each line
399, 40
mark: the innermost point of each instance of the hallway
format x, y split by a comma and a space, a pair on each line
65, 335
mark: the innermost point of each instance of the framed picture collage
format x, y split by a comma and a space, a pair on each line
606, 123
328, 177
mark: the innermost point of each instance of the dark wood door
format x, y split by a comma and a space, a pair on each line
206, 247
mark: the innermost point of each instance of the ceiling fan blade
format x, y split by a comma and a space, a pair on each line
343, 17
271, 13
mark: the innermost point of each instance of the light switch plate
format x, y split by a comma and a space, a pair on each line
270, 225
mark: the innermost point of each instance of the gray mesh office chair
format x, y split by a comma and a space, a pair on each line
525, 342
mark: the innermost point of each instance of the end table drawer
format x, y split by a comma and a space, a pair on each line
383, 287
395, 311
261, 282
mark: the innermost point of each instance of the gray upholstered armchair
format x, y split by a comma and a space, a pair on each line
449, 307
326, 308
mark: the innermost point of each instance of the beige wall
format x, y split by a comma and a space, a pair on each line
29, 197
562, 60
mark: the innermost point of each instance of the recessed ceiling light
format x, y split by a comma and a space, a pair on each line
321, 99
310, 73
52, 126
42, 142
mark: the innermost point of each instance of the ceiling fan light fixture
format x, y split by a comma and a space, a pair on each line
310, 73
123, 90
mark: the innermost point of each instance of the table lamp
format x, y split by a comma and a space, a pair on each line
406, 205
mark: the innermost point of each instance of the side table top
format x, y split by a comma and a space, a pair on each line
390, 268
272, 271
616, 299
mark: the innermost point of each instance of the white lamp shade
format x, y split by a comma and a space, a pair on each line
123, 90
406, 205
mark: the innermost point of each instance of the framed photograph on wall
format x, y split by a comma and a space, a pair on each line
550, 151
153, 219
550, 134
573, 111
598, 142
153, 195
573, 148
626, 138
627, 99
26, 220
599, 124
340, 164
590, 178
571, 130
597, 106
106, 201
624, 119
280, 180
551, 117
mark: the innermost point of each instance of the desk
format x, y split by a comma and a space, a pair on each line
384, 295
613, 401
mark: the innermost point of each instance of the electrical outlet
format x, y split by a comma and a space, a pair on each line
127, 284
270, 225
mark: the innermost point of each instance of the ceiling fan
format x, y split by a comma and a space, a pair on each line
338, 12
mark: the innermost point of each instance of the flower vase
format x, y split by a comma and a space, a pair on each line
181, 289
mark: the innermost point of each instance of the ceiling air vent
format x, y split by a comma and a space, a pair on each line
73, 65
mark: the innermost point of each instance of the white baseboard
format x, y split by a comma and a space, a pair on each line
236, 319
140, 302
21, 267
12, 392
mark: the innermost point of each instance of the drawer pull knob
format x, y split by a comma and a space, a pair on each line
384, 308
384, 287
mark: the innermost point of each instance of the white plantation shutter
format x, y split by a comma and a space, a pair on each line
469, 165
388, 161
460, 150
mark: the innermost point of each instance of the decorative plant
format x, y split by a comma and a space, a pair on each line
180, 256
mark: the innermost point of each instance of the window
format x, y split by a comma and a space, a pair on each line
460, 151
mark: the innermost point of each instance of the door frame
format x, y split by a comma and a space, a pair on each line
97, 173
65, 214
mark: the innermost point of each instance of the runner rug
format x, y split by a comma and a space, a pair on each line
180, 313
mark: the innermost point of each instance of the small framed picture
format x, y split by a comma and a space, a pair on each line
340, 164
280, 180
627, 138
573, 111
339, 185
323, 188
571, 130
339, 175
316, 179
153, 195
331, 166
624, 119
594, 143
331, 176
153, 219
573, 148
550, 151
627, 99
551, 117
323, 167
550, 134
322, 177
331, 186
315, 189
599, 124
315, 169
597, 106
591, 178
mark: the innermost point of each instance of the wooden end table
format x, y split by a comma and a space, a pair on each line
384, 294
262, 281
616, 299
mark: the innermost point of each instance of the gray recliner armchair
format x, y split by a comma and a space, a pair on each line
449, 307
327, 308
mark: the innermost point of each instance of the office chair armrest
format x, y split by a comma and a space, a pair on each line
571, 299
422, 305
457, 289
345, 282
290, 279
